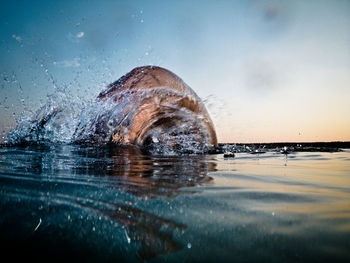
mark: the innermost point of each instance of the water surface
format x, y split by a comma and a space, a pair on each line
107, 203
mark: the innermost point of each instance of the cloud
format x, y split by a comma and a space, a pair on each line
73, 63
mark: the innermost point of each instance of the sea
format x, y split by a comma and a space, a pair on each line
108, 203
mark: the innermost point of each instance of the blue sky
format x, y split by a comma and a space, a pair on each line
267, 70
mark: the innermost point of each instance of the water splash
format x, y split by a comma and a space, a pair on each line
54, 122
149, 107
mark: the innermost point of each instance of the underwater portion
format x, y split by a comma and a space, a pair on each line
109, 203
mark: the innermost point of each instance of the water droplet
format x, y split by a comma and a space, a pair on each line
189, 245
80, 34
141, 21
127, 237
155, 139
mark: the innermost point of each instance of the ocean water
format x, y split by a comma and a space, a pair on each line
108, 203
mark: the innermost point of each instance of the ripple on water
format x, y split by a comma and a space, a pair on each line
117, 203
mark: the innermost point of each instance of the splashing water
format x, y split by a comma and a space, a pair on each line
52, 123
163, 118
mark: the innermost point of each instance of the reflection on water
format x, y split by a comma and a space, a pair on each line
84, 177
116, 204
321, 181
127, 167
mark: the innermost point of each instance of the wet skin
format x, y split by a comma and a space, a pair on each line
171, 103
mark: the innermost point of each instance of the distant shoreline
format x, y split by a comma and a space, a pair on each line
283, 147
296, 146
338, 144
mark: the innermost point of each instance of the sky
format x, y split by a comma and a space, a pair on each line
268, 71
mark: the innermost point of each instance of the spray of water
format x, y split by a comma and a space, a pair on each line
166, 118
